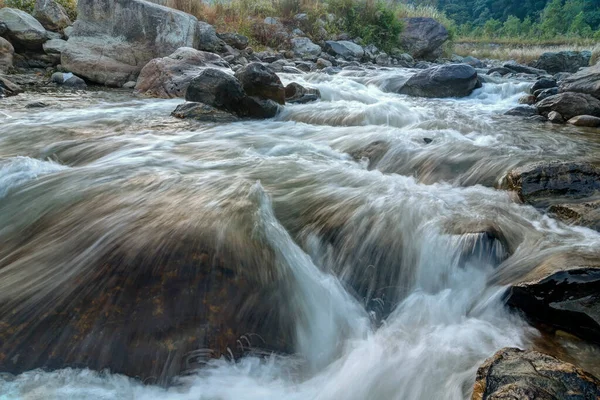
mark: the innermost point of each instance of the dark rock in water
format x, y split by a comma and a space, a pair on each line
541, 94
373, 152
8, 88
513, 374
202, 112
543, 83
585, 81
522, 111
427, 140
332, 70
537, 118
563, 61
260, 81
36, 104
305, 66
561, 76
570, 105
584, 214
515, 67
450, 80
423, 37
585, 120
555, 118
527, 99
255, 107
296, 93
217, 89
234, 40
481, 243
501, 70
542, 184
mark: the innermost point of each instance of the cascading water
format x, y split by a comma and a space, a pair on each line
384, 272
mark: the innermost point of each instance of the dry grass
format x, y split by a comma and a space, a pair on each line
520, 53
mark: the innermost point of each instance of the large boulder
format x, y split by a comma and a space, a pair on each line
570, 105
451, 80
260, 81
51, 15
423, 37
585, 120
6, 55
585, 81
513, 66
55, 46
207, 38
23, 31
344, 49
563, 61
8, 88
296, 93
112, 40
169, 77
304, 47
529, 375
217, 89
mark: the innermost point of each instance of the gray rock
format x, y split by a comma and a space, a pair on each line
528, 99
298, 32
291, 70
344, 49
543, 83
8, 88
563, 61
254, 107
6, 55
570, 105
36, 104
527, 375
75, 82
450, 80
382, 60
473, 62
207, 39
54, 46
203, 112
561, 76
67, 32
234, 40
23, 31
423, 37
296, 93
305, 66
516, 67
555, 118
169, 77
217, 89
585, 81
541, 94
522, 111
113, 40
271, 21
585, 120
303, 46
499, 70
322, 63
129, 85
51, 15
261, 82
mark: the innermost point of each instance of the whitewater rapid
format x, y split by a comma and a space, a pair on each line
390, 299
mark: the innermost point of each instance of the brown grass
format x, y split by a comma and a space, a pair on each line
520, 53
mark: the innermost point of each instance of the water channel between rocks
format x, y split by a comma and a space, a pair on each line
382, 295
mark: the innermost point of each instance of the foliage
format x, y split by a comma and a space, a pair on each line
28, 5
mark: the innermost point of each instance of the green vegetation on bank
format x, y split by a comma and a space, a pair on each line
27, 5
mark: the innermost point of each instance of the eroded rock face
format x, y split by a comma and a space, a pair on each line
423, 37
563, 61
169, 77
585, 81
260, 81
23, 31
450, 80
512, 374
112, 40
6, 55
570, 105
51, 15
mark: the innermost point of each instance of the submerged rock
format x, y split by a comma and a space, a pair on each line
260, 81
202, 112
585, 120
169, 77
522, 111
584, 214
585, 81
423, 37
563, 61
373, 152
570, 105
528, 375
296, 93
451, 80
23, 31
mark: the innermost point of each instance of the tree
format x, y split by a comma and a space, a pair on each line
552, 20
492, 28
579, 27
512, 26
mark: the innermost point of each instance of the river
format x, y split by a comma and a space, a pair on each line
400, 302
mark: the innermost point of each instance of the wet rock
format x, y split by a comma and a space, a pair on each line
473, 62
111, 42
6, 55
527, 99
207, 39
202, 112
331, 70
450, 80
304, 66
543, 83
67, 32
234, 40
36, 104
427, 140
555, 118
129, 85
561, 76
303, 46
256, 107
542, 184
23, 31
481, 242
8, 88
260, 81
423, 37
537, 118
570, 105
585, 81
344, 49
541, 94
522, 111
68, 80
585, 120
516, 67
584, 214
217, 89
296, 93
563, 61
291, 70
51, 15
500, 70
322, 63
528, 375
169, 77
55, 46
382, 60
373, 152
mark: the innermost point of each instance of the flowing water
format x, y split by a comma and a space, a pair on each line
392, 290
